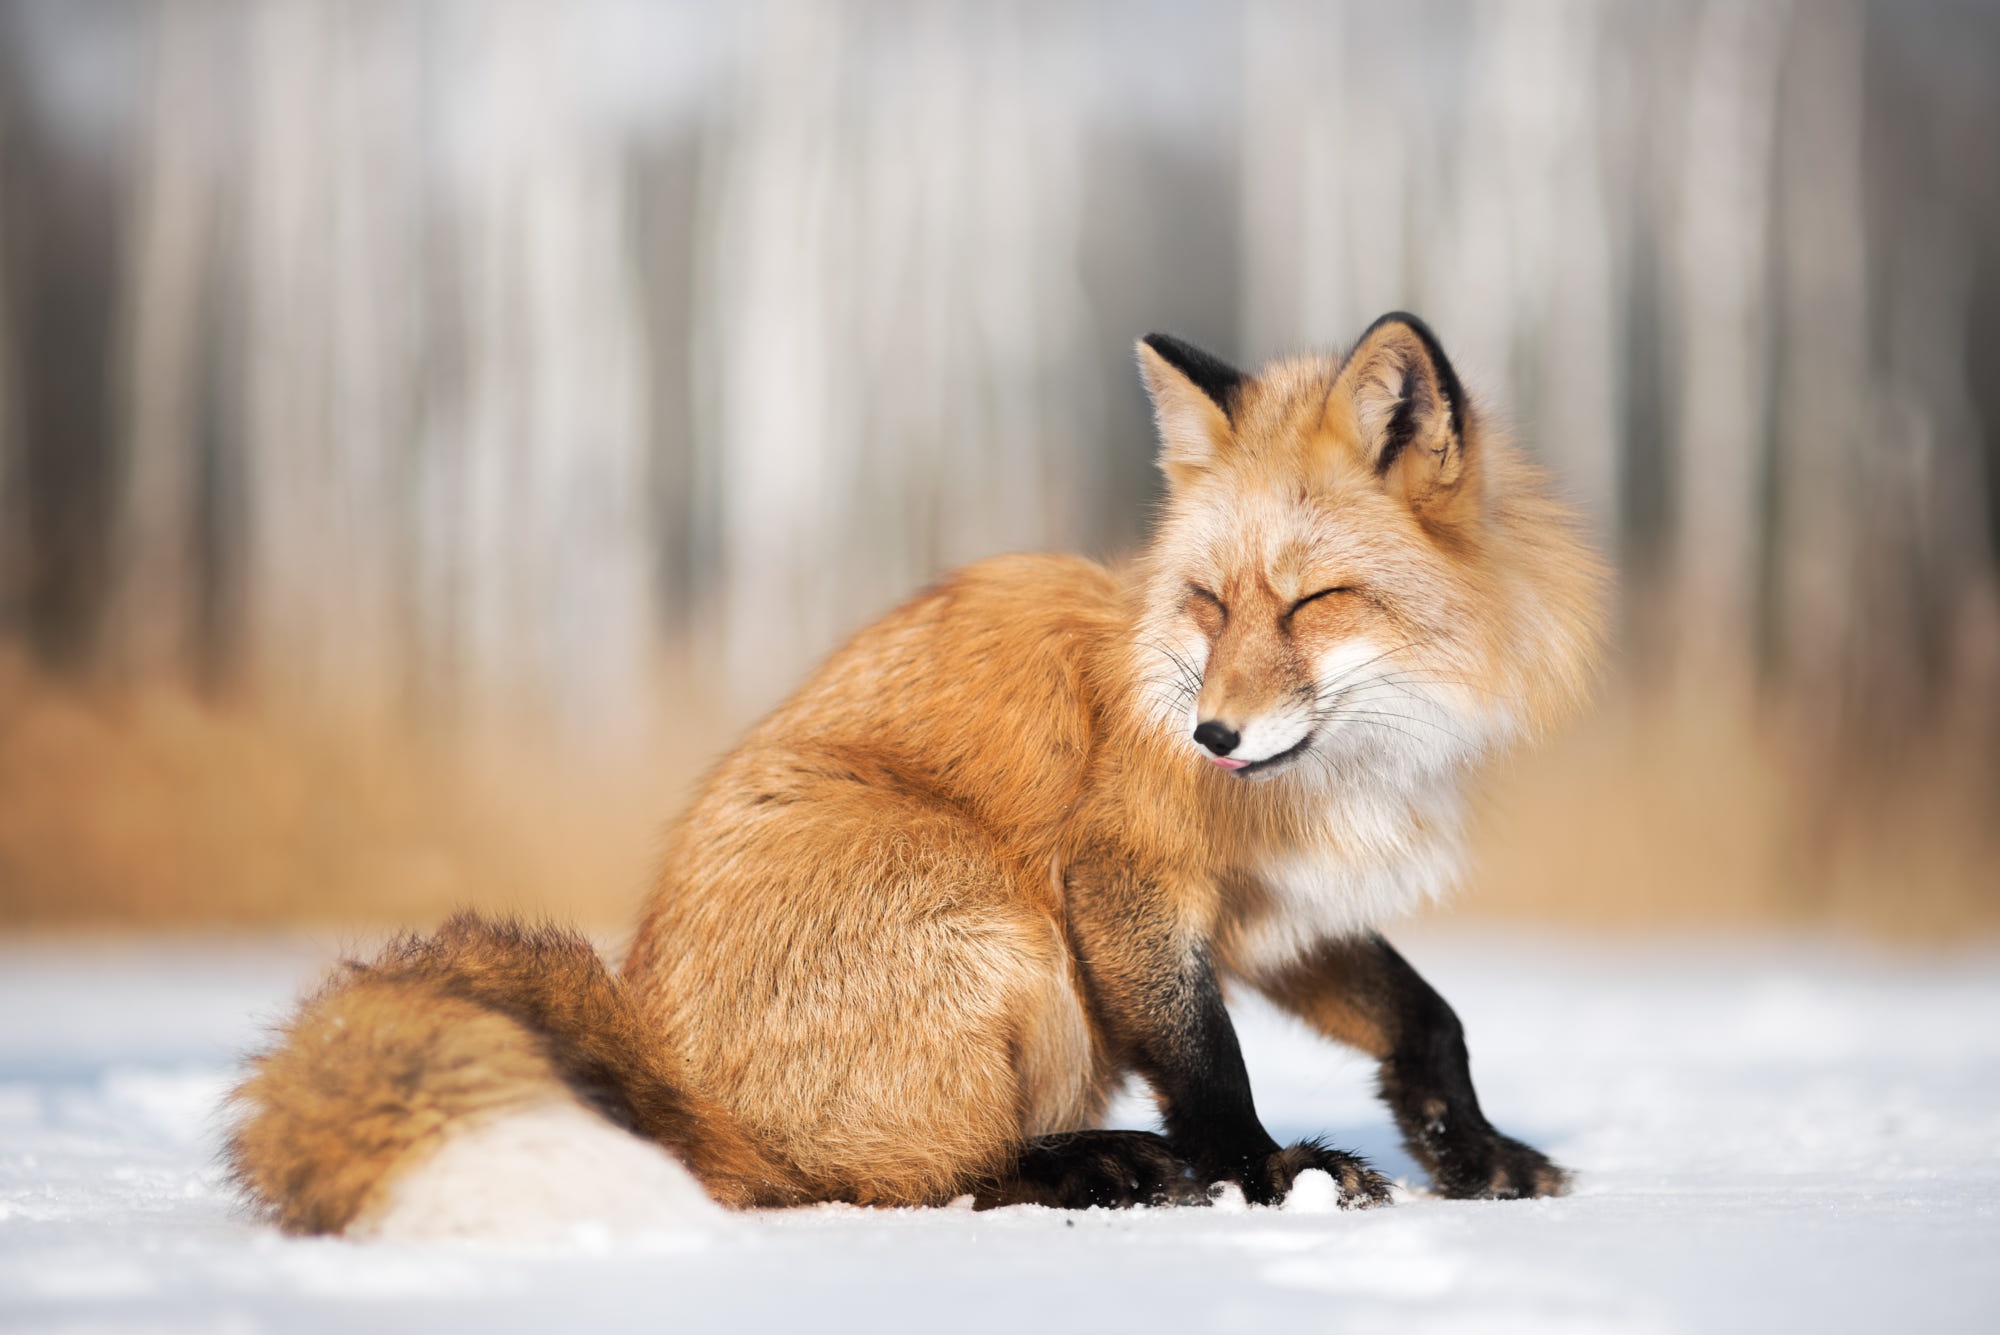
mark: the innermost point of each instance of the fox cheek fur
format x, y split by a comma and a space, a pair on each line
1005, 848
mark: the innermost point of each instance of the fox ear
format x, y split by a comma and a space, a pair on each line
1193, 395
1408, 409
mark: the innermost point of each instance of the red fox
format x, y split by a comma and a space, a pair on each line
1007, 846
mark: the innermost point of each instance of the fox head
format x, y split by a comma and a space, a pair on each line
1350, 566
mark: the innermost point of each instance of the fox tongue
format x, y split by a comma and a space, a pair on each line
1226, 762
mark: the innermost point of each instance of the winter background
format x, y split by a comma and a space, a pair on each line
431, 430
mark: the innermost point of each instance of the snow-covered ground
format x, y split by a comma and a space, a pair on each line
1768, 1136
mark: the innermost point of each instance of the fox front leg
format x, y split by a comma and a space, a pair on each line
1361, 992
1163, 1005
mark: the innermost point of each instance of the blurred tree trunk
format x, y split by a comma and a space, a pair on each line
1821, 376
1725, 333
519, 372
892, 324
60, 227
180, 203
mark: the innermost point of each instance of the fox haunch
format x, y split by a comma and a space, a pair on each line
1008, 845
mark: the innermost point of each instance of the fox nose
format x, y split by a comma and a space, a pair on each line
1217, 737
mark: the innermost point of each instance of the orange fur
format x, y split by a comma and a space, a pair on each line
875, 898
913, 919
474, 1020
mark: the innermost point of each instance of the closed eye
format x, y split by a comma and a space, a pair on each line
1323, 593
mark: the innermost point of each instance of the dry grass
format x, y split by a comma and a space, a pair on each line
150, 808
1673, 810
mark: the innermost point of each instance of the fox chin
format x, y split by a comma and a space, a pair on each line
1005, 849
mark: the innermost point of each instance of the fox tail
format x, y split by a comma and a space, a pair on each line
490, 1078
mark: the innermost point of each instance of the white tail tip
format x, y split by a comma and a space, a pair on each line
553, 1173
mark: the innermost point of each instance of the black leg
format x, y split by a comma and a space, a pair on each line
1154, 985
1427, 1083
1363, 993
1196, 1066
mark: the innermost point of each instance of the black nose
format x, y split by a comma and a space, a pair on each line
1217, 737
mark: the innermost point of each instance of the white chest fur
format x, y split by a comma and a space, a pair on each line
1322, 892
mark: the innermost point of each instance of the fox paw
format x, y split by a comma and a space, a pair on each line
1496, 1167
1270, 1181
1081, 1169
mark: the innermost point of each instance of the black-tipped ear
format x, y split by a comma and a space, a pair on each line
1408, 407
1209, 374
1193, 394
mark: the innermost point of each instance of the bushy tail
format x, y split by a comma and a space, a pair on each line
437, 1032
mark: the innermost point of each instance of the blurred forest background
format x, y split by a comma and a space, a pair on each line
430, 430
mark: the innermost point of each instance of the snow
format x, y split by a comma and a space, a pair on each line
1767, 1135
